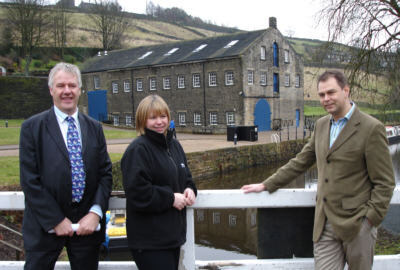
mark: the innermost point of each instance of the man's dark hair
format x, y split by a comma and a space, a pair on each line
338, 75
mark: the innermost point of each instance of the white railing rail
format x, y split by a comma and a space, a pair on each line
283, 198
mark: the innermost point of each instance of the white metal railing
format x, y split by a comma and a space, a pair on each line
283, 198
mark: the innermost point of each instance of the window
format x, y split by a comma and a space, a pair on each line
230, 118
202, 46
297, 81
181, 81
166, 83
253, 219
200, 215
232, 220
182, 118
197, 119
213, 118
287, 80
145, 55
286, 55
212, 79
250, 77
171, 51
230, 44
263, 78
139, 85
229, 78
96, 81
127, 86
276, 83
276, 54
263, 53
152, 82
116, 120
128, 120
216, 217
196, 80
114, 86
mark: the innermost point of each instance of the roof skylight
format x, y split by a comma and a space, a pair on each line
202, 46
145, 55
230, 44
171, 51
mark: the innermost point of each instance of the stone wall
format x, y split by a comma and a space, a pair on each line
208, 163
22, 97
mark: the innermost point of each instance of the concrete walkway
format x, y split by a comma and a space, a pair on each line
189, 142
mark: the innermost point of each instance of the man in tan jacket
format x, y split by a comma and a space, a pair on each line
355, 178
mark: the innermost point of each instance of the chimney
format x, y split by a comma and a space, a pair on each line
272, 22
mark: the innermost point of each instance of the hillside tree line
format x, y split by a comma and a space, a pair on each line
371, 29
32, 23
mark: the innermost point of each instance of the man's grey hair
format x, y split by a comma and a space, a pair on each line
66, 67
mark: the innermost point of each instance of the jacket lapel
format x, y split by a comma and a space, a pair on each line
55, 133
84, 129
325, 129
348, 131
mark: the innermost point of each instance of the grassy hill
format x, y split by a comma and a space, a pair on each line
145, 30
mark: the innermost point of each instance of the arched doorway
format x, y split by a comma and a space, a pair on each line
262, 115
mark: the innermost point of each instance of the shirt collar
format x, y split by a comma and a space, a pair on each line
348, 114
61, 115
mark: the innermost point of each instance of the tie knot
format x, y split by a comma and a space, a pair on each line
69, 119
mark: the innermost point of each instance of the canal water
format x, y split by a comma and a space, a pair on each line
223, 234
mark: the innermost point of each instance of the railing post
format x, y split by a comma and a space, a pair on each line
187, 258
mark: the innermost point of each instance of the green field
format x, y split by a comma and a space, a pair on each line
311, 110
10, 135
9, 165
9, 171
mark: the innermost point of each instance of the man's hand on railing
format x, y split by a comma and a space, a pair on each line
253, 188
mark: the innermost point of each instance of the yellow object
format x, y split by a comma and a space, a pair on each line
119, 220
116, 231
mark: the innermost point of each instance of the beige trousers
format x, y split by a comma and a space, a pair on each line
331, 253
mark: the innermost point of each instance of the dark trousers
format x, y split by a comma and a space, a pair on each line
80, 258
166, 259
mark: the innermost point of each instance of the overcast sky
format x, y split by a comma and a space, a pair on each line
297, 16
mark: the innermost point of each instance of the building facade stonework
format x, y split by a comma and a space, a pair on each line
251, 78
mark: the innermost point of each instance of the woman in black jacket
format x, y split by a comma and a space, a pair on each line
158, 186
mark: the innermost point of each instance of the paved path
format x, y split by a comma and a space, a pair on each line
190, 142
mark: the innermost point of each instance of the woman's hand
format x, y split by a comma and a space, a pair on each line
190, 196
179, 201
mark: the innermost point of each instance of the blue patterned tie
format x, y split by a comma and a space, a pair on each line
75, 157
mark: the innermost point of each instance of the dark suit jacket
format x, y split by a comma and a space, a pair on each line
355, 175
45, 177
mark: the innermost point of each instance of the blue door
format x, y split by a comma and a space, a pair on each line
262, 115
97, 102
297, 117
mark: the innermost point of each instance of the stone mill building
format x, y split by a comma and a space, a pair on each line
242, 79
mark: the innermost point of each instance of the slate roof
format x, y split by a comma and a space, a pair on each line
134, 57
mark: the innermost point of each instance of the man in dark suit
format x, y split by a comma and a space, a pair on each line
66, 178
355, 178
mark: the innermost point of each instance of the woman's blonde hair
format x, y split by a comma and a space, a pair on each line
152, 104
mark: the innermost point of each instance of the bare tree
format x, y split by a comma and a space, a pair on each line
27, 19
60, 26
110, 21
372, 29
